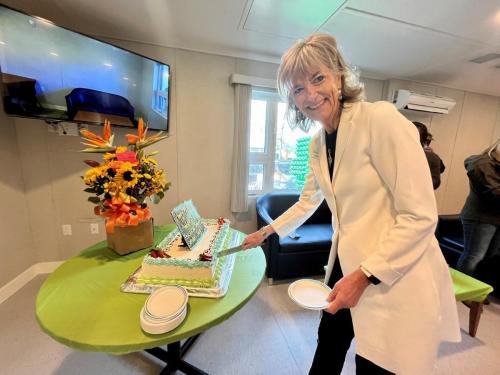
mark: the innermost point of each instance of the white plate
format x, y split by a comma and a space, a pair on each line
310, 294
166, 303
157, 328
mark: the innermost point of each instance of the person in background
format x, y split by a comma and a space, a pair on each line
436, 165
481, 212
391, 285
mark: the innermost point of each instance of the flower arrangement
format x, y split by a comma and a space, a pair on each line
126, 177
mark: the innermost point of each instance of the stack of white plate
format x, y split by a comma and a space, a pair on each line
164, 310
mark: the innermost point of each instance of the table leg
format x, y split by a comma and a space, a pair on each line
476, 308
173, 358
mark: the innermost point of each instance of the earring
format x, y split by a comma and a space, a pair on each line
340, 94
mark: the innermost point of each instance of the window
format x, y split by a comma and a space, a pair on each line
160, 89
276, 151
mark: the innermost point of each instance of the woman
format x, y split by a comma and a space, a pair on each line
481, 213
436, 165
392, 288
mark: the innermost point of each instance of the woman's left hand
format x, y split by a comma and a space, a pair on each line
347, 291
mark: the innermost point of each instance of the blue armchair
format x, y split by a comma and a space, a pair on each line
295, 256
449, 234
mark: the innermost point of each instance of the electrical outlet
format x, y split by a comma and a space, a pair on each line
94, 228
66, 229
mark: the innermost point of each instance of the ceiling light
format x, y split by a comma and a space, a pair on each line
54, 54
497, 17
44, 21
108, 64
2, 42
125, 78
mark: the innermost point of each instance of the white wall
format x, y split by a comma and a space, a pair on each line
16, 245
43, 183
472, 125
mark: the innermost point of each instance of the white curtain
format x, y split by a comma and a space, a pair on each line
239, 183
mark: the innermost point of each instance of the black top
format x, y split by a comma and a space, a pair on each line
436, 166
331, 143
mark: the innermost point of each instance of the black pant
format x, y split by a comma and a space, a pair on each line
335, 334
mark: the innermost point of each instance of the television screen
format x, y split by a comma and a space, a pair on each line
51, 73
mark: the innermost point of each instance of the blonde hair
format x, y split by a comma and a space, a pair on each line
306, 54
494, 151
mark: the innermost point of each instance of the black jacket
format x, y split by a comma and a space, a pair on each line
483, 201
436, 166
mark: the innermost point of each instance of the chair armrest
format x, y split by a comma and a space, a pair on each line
263, 216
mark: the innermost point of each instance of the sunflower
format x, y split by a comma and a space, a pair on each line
149, 161
92, 175
126, 176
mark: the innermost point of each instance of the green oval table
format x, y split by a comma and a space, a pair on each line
81, 305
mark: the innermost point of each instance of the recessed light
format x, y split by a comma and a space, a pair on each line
44, 21
125, 78
108, 64
54, 54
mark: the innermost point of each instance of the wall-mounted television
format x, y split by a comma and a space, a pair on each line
52, 73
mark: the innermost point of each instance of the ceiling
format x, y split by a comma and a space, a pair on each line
429, 41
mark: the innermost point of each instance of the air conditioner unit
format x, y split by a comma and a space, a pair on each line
404, 99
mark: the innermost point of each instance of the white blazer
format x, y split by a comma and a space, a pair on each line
383, 216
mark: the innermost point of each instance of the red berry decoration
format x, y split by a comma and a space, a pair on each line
206, 256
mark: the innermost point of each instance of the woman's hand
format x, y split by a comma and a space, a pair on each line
347, 291
256, 238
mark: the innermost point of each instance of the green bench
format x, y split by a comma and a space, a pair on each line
474, 292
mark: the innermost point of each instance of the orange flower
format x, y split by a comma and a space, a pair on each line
131, 139
140, 129
107, 130
96, 142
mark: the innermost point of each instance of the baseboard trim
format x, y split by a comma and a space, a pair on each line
25, 277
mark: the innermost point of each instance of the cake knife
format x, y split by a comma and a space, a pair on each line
231, 250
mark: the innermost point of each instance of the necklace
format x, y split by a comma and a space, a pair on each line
330, 158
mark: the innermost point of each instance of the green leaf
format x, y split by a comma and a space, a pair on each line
161, 194
89, 190
100, 150
155, 199
141, 145
94, 200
